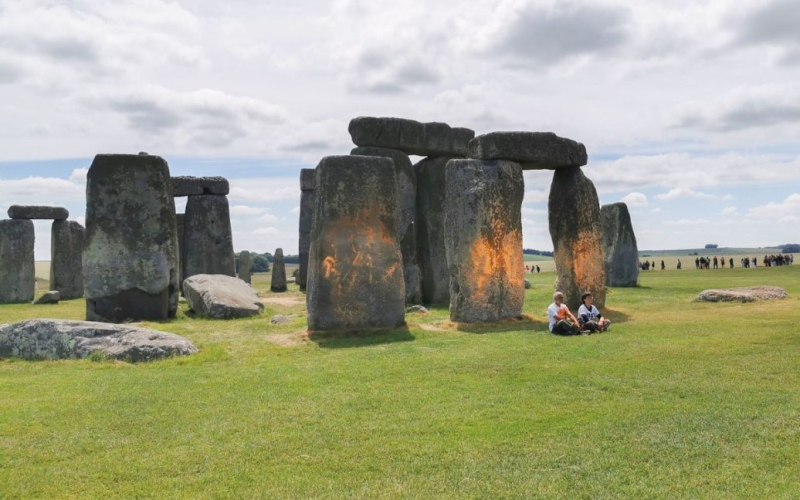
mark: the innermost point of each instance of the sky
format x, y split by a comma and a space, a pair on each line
690, 110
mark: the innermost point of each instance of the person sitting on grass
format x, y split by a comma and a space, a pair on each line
590, 317
562, 322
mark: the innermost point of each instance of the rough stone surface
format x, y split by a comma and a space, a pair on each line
278, 282
51, 297
189, 186
130, 258
483, 238
207, 236
245, 271
418, 309
66, 258
435, 277
220, 296
527, 284
355, 271
532, 150
37, 212
306, 214
406, 215
65, 339
410, 136
744, 294
180, 220
17, 271
619, 246
576, 231
282, 319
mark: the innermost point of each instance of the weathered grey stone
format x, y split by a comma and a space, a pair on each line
743, 294
532, 150
245, 266
410, 136
66, 258
407, 209
207, 236
282, 319
189, 186
306, 214
431, 256
483, 238
180, 221
576, 231
17, 270
51, 297
37, 212
220, 296
130, 258
417, 309
619, 246
65, 339
527, 285
278, 281
355, 270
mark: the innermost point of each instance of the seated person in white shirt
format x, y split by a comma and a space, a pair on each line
562, 322
589, 316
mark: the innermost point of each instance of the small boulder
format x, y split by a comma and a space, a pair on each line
417, 309
282, 319
527, 284
66, 339
221, 297
744, 294
51, 297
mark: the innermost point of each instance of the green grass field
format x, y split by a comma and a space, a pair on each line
680, 399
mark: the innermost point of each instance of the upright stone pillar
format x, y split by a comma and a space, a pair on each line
278, 283
431, 254
245, 270
306, 214
17, 269
130, 258
406, 215
574, 212
180, 220
66, 259
355, 271
208, 238
619, 246
483, 235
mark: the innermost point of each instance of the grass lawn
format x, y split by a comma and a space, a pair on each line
680, 399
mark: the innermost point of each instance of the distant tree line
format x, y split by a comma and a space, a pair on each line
791, 248
531, 251
712, 246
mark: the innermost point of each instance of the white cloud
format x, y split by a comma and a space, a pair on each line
246, 210
265, 189
536, 195
729, 211
635, 200
688, 222
266, 231
786, 211
684, 192
533, 211
268, 218
41, 191
295, 211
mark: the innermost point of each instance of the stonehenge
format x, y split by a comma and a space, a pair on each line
306, 214
191, 186
409, 136
483, 235
245, 268
17, 270
278, 282
66, 255
355, 266
532, 150
431, 254
37, 212
130, 257
619, 246
207, 236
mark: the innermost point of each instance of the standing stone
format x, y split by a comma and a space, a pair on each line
66, 259
483, 229
355, 269
180, 220
130, 258
575, 228
431, 254
278, 283
245, 266
406, 214
306, 213
17, 269
207, 236
619, 246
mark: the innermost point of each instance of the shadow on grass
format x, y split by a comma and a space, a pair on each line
343, 340
525, 323
616, 317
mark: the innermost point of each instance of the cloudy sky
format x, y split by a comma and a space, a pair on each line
690, 110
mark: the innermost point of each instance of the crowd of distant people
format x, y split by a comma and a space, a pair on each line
532, 269
721, 262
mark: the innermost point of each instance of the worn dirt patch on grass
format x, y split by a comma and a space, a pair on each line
283, 301
295, 339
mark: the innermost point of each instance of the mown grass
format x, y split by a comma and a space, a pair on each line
680, 399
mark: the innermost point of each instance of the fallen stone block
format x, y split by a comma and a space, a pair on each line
743, 294
220, 296
51, 297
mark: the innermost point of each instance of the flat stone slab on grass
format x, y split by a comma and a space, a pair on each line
743, 294
221, 297
66, 339
51, 297
188, 185
37, 212
532, 150
410, 136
